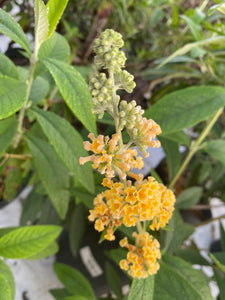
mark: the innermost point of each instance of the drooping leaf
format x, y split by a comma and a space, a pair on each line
189, 197
180, 231
68, 145
113, 280
7, 285
12, 29
187, 107
55, 47
12, 96
216, 149
177, 280
7, 132
52, 172
173, 156
74, 90
142, 289
24, 242
74, 281
55, 9
41, 24
77, 228
7, 67
32, 207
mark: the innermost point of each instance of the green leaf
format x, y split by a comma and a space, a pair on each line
32, 207
75, 298
179, 137
113, 280
12, 29
76, 228
12, 183
188, 47
68, 144
173, 156
50, 250
189, 197
59, 294
55, 9
177, 280
74, 90
222, 236
195, 28
187, 107
216, 149
12, 96
170, 240
55, 47
142, 289
7, 131
7, 285
220, 279
217, 262
74, 281
7, 67
191, 256
52, 172
24, 242
41, 24
39, 90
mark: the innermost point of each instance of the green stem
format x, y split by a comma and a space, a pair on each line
25, 106
139, 226
116, 116
195, 147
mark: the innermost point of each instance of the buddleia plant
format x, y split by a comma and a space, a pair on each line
128, 199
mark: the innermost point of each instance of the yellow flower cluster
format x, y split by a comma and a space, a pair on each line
142, 258
146, 200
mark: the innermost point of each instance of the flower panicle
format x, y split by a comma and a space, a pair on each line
125, 202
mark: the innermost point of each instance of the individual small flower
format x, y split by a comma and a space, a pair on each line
108, 157
142, 259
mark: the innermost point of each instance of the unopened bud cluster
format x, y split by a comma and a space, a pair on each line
130, 114
146, 204
107, 51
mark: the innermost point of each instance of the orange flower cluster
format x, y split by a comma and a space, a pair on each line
108, 157
124, 203
142, 258
146, 200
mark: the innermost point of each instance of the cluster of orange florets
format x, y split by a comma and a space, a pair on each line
142, 258
124, 202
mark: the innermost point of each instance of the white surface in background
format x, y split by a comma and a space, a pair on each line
34, 277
